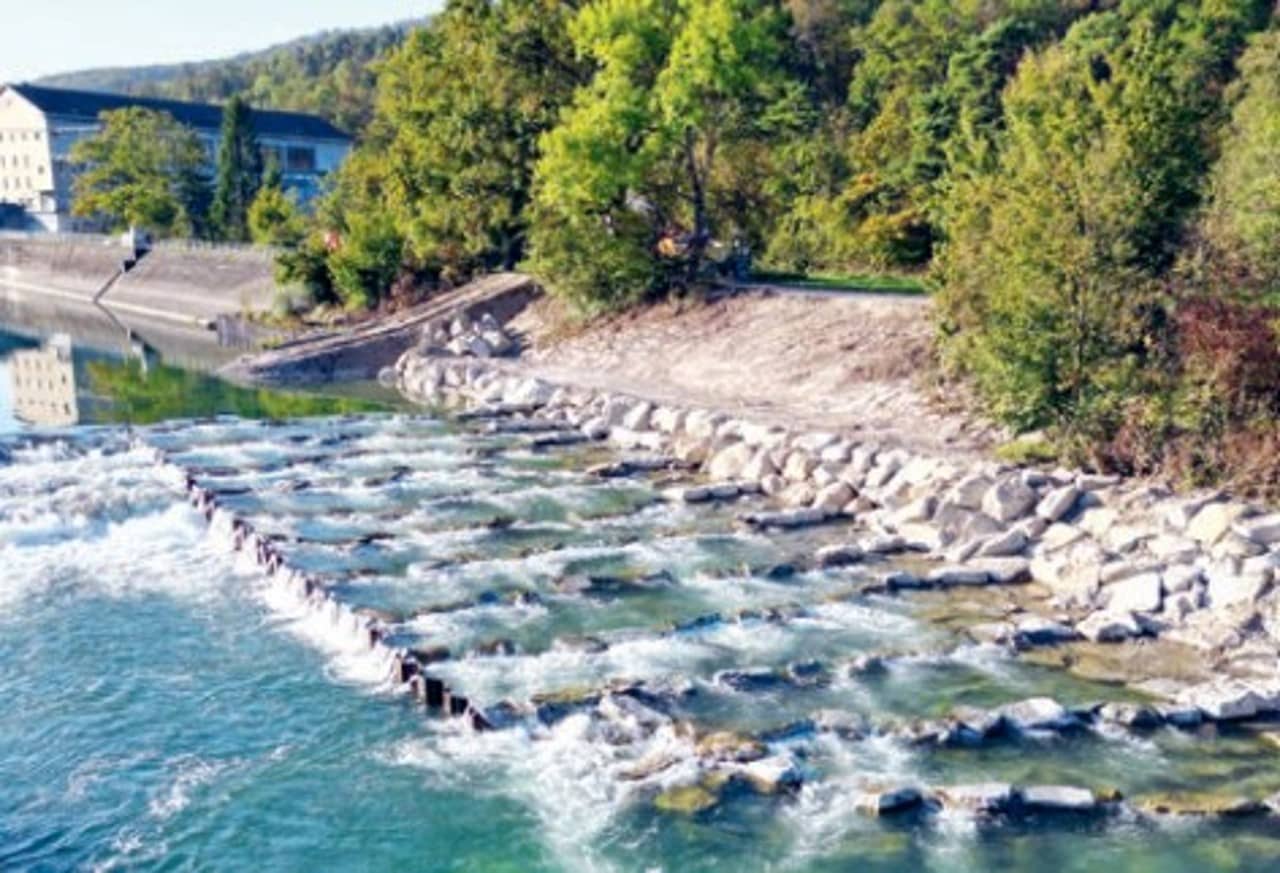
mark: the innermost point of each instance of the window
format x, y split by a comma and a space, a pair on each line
300, 160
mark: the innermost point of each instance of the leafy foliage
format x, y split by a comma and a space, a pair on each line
143, 169
239, 172
274, 218
1242, 223
1059, 248
636, 166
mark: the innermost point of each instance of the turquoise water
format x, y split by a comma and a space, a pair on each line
166, 709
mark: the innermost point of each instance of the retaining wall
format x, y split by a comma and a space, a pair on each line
190, 284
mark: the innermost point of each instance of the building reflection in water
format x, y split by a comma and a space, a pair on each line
44, 384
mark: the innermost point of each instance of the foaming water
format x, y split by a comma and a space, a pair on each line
171, 705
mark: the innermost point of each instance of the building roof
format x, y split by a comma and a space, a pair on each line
202, 116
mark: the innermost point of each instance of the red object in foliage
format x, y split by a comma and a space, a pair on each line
332, 240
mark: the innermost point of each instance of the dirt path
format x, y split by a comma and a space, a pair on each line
813, 361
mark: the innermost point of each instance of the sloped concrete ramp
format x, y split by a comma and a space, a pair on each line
359, 353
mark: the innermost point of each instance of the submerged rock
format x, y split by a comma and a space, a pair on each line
686, 800
730, 746
1061, 799
1131, 715
890, 801
985, 798
1039, 714
1199, 804
839, 556
770, 775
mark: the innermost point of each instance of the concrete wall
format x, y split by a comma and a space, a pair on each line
190, 284
59, 266
203, 281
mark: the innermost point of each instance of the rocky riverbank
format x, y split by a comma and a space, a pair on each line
557, 595
1125, 564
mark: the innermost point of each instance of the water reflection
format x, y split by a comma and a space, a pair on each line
60, 369
43, 384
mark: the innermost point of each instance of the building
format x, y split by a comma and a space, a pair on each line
39, 126
44, 384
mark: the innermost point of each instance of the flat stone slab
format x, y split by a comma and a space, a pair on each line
1060, 798
787, 518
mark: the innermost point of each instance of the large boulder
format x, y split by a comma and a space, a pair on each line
730, 462
1140, 593
1106, 626
1263, 530
798, 466
638, 417
1224, 699
760, 467
1060, 798
1213, 522
1009, 500
985, 798
833, 498
889, 801
1039, 714
1004, 545
1225, 589
969, 491
1058, 502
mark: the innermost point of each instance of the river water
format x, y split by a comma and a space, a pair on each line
166, 709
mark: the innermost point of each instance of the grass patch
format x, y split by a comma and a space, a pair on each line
1027, 451
881, 283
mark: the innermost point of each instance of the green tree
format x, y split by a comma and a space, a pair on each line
449, 155
1057, 247
143, 169
369, 260
274, 217
631, 172
926, 79
239, 172
1242, 222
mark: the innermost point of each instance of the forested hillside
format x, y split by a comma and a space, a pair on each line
1089, 187
328, 74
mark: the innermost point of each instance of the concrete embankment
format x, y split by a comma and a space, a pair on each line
361, 352
179, 284
197, 283
1125, 566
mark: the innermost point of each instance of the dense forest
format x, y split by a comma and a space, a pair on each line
330, 74
1089, 188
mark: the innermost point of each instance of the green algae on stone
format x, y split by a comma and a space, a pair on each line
685, 800
1198, 803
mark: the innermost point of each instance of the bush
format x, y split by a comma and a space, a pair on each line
594, 266
307, 267
368, 261
274, 219
1242, 223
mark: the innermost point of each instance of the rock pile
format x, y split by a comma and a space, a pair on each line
1122, 560
464, 337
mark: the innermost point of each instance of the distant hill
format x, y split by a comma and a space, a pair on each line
326, 73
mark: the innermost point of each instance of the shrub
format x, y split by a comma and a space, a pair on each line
368, 261
307, 267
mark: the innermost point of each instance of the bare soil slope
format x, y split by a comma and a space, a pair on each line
856, 362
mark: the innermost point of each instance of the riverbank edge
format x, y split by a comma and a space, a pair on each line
1125, 562
720, 755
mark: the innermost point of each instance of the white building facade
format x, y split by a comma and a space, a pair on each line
39, 126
